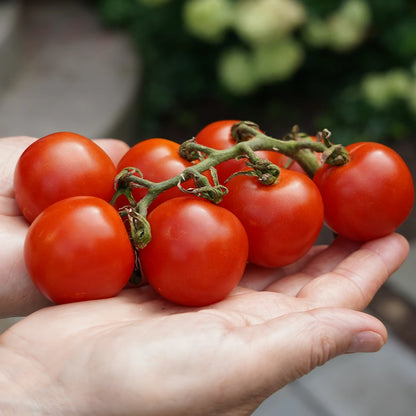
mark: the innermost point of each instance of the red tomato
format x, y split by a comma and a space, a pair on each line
282, 220
368, 197
217, 135
59, 166
197, 254
158, 160
78, 249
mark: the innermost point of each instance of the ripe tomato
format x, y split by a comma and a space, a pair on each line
158, 160
78, 249
197, 254
282, 220
217, 135
59, 166
368, 197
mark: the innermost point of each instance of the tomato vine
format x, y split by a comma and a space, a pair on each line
297, 146
258, 199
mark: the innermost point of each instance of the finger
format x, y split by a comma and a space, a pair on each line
322, 262
8, 207
116, 149
289, 347
356, 279
18, 295
258, 278
11, 149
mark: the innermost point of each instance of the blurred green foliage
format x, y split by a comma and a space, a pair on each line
349, 66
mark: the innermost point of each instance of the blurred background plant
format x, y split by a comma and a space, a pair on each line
349, 66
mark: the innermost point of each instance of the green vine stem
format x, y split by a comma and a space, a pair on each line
295, 146
248, 140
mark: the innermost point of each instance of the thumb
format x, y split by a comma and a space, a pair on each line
116, 149
292, 345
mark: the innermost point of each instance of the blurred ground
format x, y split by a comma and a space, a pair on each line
62, 71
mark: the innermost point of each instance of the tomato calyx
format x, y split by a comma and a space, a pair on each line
335, 154
139, 228
267, 173
240, 133
124, 184
203, 187
192, 151
140, 232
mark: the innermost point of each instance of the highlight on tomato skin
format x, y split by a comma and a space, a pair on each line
197, 254
370, 196
58, 166
78, 249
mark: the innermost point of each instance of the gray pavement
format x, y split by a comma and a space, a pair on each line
64, 72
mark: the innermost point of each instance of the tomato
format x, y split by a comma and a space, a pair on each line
368, 197
78, 249
282, 220
217, 135
59, 166
158, 159
197, 253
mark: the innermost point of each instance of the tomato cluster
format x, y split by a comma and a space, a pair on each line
78, 245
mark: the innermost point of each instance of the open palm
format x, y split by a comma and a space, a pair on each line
138, 354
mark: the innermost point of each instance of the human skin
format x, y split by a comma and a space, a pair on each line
137, 354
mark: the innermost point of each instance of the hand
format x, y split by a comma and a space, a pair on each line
18, 296
138, 354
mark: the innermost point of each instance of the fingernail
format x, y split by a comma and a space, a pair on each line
366, 341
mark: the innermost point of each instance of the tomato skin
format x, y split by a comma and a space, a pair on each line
282, 220
158, 159
78, 249
217, 135
370, 196
59, 166
197, 254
